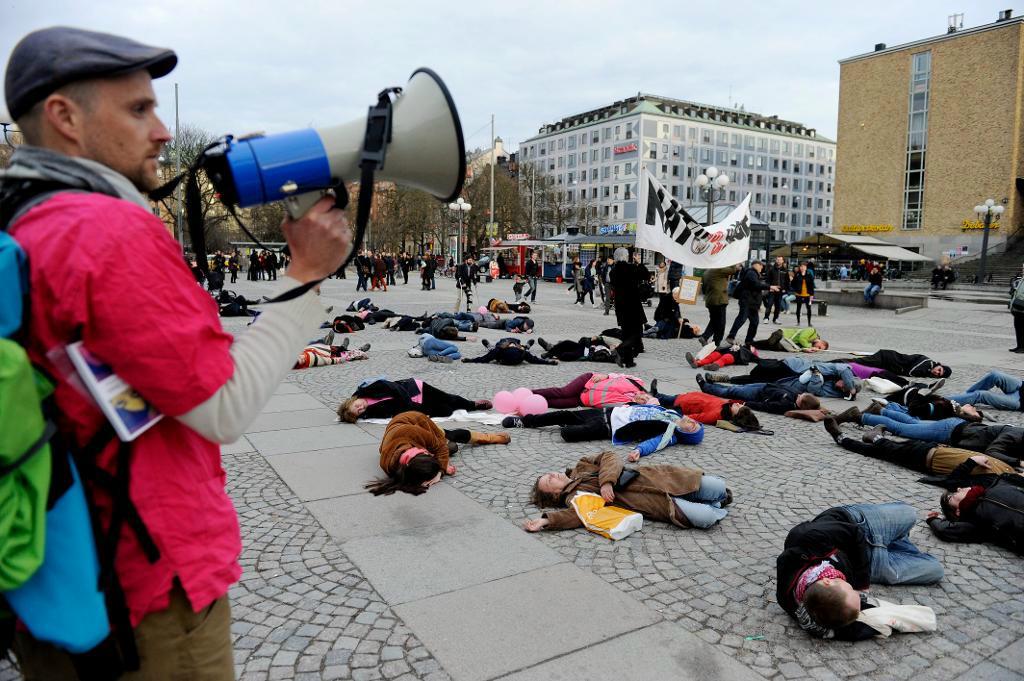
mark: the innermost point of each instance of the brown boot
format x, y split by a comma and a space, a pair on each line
716, 378
851, 415
476, 438
874, 435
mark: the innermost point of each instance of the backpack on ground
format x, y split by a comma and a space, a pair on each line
56, 564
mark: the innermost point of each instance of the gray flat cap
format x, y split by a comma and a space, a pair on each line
50, 58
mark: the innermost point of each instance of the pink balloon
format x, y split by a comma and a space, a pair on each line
505, 402
534, 404
482, 309
521, 394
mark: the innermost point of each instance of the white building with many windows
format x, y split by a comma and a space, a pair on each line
593, 160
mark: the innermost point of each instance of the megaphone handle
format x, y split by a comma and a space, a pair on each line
296, 206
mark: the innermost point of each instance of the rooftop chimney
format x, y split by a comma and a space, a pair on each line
879, 47
1005, 15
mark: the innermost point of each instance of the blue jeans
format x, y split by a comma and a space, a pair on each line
746, 392
433, 346
982, 393
515, 323
897, 421
703, 508
870, 291
894, 559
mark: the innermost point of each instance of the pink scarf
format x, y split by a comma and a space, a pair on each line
409, 453
812, 575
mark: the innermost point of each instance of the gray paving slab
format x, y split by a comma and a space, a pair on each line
239, 446
288, 388
455, 554
350, 517
291, 402
1012, 656
509, 624
284, 420
660, 651
328, 473
308, 439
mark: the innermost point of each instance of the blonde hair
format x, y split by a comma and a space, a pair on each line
344, 410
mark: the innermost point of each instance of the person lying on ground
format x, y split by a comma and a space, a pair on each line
321, 354
435, 350
362, 305
381, 399
586, 349
684, 497
988, 508
446, 328
725, 355
504, 307
597, 390
827, 562
414, 453
924, 404
669, 328
708, 409
509, 352
797, 374
767, 397
984, 392
652, 426
903, 365
894, 418
232, 304
344, 324
790, 339
918, 455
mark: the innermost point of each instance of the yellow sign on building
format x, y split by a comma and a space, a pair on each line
977, 224
853, 229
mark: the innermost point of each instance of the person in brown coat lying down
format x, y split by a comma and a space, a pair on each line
685, 497
414, 453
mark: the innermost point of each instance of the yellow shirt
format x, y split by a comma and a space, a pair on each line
803, 288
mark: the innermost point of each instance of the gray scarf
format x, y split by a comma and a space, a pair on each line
36, 163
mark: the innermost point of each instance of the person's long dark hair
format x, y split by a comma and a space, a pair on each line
409, 478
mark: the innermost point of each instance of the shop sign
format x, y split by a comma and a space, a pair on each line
625, 148
977, 224
854, 229
516, 237
620, 228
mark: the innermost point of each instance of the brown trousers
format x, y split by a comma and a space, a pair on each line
175, 644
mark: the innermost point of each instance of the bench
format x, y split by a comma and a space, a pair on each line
885, 300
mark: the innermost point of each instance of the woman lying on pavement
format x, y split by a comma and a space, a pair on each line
903, 365
414, 453
709, 409
325, 354
767, 397
725, 355
895, 419
684, 497
597, 390
382, 399
987, 508
654, 427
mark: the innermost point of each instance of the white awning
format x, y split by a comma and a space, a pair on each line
890, 252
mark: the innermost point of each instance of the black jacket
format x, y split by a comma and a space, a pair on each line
532, 268
751, 287
773, 399
464, 275
1000, 441
835, 537
899, 363
778, 276
997, 517
400, 392
799, 279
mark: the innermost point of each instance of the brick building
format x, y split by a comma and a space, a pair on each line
929, 129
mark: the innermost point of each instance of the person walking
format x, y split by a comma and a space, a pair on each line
533, 272
234, 263
177, 564
715, 283
748, 291
803, 287
254, 265
629, 310
363, 266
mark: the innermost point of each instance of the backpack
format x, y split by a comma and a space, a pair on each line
56, 563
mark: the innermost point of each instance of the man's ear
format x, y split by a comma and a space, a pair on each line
64, 116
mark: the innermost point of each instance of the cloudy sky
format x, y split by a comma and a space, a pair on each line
276, 65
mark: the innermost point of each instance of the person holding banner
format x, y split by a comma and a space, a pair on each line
749, 293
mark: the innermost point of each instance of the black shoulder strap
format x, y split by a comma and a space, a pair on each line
16, 195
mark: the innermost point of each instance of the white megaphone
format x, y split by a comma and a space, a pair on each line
411, 137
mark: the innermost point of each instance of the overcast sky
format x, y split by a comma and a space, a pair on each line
277, 65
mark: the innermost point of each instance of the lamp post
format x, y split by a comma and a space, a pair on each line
712, 186
986, 211
460, 206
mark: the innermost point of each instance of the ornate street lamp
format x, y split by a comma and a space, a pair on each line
986, 212
460, 206
712, 186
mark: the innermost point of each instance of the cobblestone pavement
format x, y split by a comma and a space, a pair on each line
302, 610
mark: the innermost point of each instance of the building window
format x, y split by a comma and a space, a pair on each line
705, 136
917, 140
629, 168
629, 132
775, 146
625, 192
689, 193
654, 151
723, 139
